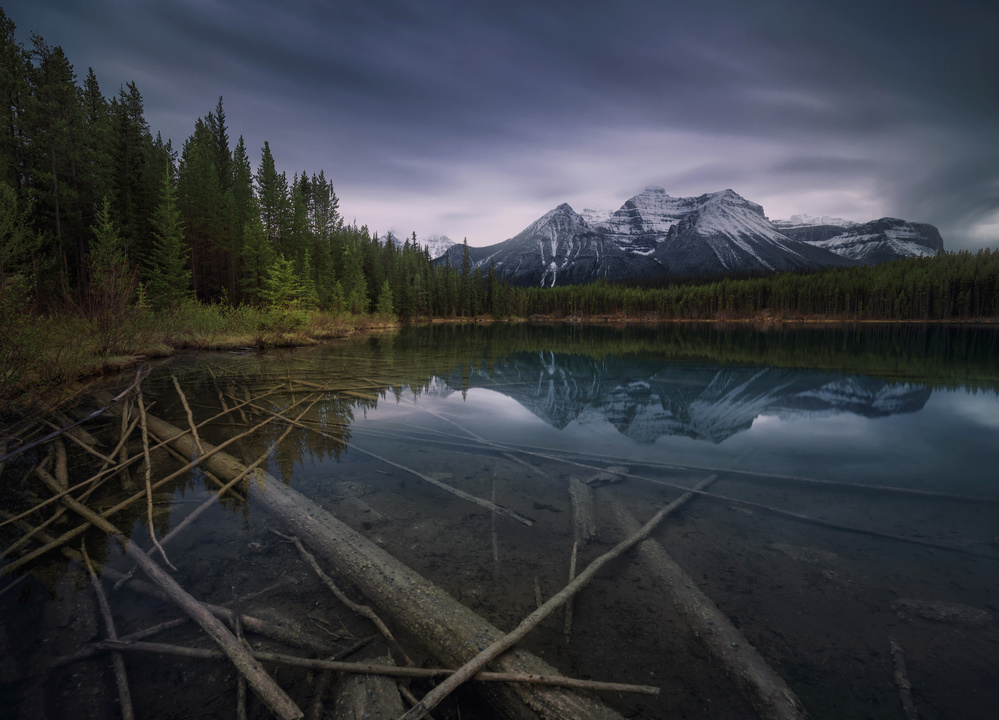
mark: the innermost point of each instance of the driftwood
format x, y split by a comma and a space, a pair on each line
765, 690
265, 687
567, 626
148, 473
80, 529
80, 437
490, 678
190, 415
584, 523
289, 637
121, 678
362, 610
52, 435
447, 628
362, 697
531, 621
902, 681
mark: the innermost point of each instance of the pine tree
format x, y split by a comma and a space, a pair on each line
258, 256
17, 240
309, 296
168, 278
282, 288
385, 303
272, 195
113, 281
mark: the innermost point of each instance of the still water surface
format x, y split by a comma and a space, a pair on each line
834, 425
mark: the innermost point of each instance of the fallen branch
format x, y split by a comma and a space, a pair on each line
504, 511
265, 687
190, 415
531, 621
902, 681
444, 626
52, 435
374, 669
260, 627
786, 513
362, 610
765, 690
149, 478
69, 535
121, 678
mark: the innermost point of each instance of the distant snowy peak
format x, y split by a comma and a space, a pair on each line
436, 244
812, 221
882, 240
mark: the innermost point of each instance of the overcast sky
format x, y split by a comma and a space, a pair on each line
472, 119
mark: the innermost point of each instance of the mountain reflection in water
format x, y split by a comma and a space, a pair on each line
647, 400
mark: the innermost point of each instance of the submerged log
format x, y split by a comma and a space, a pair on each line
367, 697
448, 629
765, 690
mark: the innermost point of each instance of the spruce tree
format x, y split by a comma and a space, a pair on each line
385, 302
282, 288
168, 278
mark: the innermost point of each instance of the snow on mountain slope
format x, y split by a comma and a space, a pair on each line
655, 235
436, 244
803, 220
880, 241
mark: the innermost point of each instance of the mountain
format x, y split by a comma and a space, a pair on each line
873, 242
655, 235
436, 244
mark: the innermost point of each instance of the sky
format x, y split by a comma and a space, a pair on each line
473, 119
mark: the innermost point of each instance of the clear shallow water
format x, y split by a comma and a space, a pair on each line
510, 414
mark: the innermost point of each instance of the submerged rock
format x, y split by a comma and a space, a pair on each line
944, 612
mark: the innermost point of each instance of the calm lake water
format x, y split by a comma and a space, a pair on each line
856, 503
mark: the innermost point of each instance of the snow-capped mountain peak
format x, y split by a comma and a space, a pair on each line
803, 220
654, 235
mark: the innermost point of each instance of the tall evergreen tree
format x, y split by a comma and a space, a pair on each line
14, 92
168, 276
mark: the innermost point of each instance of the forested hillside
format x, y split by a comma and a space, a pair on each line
94, 201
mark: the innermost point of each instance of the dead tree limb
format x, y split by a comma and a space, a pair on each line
765, 690
531, 621
190, 415
52, 435
447, 628
375, 669
121, 678
902, 681
149, 478
262, 683
362, 610
501, 510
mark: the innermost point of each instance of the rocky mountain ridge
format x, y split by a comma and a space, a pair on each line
655, 235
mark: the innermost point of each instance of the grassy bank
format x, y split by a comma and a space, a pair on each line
42, 355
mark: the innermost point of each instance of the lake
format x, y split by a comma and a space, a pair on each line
850, 523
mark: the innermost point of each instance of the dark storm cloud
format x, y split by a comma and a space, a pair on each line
475, 118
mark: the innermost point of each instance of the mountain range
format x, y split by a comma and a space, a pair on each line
654, 235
